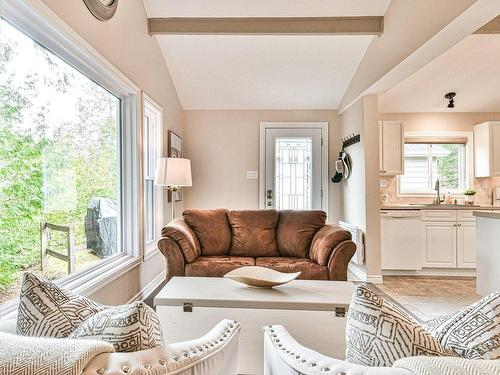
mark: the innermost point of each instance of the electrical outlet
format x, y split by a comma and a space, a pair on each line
383, 183
484, 184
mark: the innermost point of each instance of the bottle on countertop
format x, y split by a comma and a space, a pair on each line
448, 199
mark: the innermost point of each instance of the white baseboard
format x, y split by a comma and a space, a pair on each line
359, 274
374, 279
149, 288
433, 272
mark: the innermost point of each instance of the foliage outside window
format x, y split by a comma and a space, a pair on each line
59, 161
424, 163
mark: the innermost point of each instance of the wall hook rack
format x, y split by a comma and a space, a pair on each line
350, 140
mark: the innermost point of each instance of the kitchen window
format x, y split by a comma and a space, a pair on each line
426, 159
68, 156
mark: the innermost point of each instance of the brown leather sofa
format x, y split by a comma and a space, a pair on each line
214, 242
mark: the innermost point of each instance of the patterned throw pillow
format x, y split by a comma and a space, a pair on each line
129, 328
378, 333
46, 310
474, 331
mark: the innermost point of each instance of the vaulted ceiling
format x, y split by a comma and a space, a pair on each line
471, 69
263, 71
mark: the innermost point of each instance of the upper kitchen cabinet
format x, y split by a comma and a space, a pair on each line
487, 149
391, 148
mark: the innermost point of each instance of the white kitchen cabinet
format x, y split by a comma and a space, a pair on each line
450, 239
487, 149
391, 148
466, 245
440, 244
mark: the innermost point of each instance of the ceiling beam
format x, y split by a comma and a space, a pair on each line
372, 25
492, 27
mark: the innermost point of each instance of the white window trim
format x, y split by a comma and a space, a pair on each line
323, 125
151, 247
43, 25
469, 161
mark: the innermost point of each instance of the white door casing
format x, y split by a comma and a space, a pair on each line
294, 165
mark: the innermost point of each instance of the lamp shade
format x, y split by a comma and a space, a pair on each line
173, 172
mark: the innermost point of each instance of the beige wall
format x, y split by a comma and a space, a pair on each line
125, 43
360, 193
223, 145
440, 122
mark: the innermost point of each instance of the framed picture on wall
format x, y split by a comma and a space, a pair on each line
174, 151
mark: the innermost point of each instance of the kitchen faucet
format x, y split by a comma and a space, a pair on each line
436, 187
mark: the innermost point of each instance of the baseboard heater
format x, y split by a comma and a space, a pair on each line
358, 239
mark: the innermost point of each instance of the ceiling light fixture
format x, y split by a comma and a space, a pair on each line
450, 97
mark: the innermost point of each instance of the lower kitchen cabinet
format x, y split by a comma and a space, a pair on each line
450, 244
440, 241
466, 245
428, 240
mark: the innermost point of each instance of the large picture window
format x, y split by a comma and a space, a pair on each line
59, 164
427, 161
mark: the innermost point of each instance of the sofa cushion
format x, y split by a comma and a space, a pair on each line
378, 332
310, 269
295, 231
212, 229
129, 328
217, 266
473, 332
46, 310
254, 233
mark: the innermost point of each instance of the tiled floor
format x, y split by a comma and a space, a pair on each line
430, 297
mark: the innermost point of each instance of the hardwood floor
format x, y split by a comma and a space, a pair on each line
430, 297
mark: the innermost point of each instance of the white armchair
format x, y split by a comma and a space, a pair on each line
285, 356
214, 353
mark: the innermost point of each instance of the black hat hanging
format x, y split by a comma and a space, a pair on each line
343, 163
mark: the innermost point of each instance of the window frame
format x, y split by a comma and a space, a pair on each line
152, 108
469, 165
41, 24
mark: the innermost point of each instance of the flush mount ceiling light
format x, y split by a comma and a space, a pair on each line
450, 97
103, 10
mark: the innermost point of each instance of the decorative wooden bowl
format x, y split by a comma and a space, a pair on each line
260, 277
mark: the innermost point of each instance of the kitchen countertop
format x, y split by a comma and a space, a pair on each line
491, 215
418, 207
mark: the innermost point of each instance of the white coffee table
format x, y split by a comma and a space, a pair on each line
312, 311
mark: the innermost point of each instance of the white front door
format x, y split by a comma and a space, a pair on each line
293, 167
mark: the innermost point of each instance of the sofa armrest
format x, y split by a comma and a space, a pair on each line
214, 353
332, 247
173, 257
185, 238
285, 356
340, 257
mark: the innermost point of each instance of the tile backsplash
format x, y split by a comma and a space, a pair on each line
483, 196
